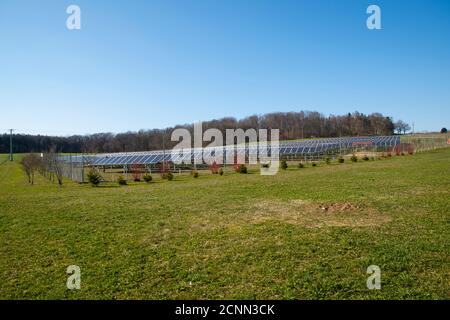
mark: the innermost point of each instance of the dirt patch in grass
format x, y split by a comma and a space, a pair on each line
339, 207
315, 215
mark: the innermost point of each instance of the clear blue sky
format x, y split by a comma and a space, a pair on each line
151, 64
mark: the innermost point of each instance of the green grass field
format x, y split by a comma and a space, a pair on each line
234, 236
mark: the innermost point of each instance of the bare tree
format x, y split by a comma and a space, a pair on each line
401, 126
30, 164
55, 166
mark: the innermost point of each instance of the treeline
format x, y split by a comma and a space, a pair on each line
292, 125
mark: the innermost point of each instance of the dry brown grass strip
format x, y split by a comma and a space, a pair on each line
316, 215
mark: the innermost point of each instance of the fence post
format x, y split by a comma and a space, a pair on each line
82, 168
71, 168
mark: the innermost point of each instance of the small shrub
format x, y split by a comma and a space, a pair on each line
194, 173
214, 168
365, 158
354, 158
148, 177
242, 169
221, 171
136, 172
301, 165
283, 164
314, 164
341, 160
94, 177
167, 175
327, 160
121, 180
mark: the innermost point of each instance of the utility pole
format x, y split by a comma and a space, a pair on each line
10, 145
164, 151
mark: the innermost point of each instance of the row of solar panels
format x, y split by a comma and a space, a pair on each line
189, 155
348, 141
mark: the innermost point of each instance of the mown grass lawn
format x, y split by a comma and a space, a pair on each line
234, 236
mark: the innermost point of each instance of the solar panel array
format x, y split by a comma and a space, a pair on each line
305, 147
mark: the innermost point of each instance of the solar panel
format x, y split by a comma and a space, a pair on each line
306, 147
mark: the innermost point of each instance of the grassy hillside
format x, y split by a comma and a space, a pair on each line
302, 234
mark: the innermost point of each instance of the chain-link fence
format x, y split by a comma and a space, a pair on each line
75, 167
